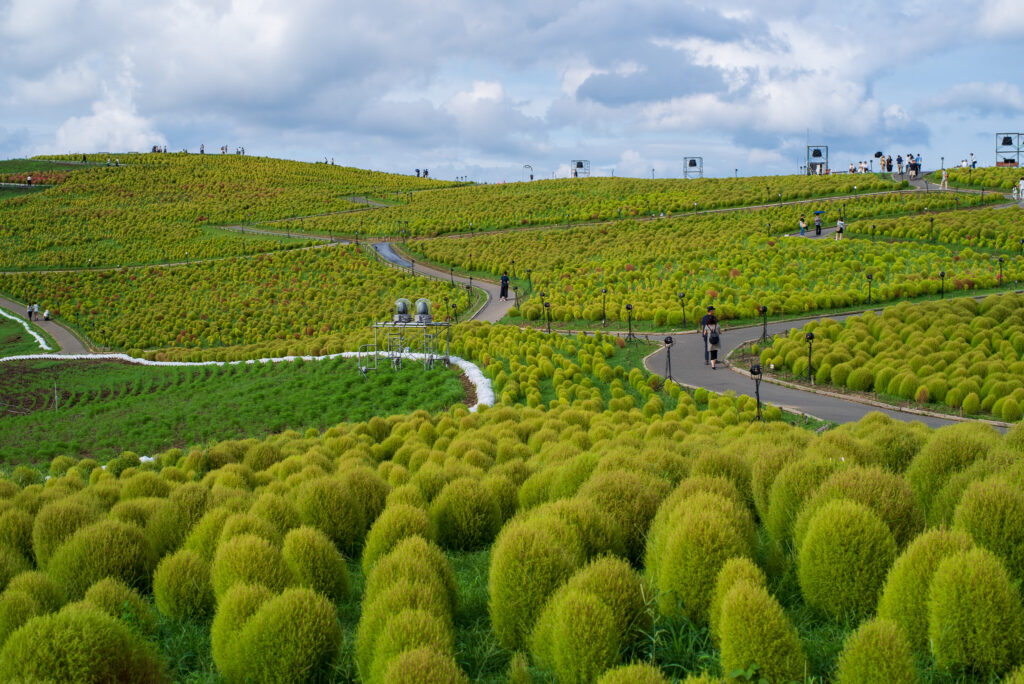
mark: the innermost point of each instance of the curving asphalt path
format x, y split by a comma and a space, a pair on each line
66, 340
688, 368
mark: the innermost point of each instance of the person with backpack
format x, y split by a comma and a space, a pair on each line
703, 333
712, 336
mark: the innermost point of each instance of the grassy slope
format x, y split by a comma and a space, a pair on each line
107, 407
14, 340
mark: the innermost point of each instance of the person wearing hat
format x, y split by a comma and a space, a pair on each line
712, 336
704, 333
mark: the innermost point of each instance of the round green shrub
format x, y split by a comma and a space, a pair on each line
974, 614
248, 559
754, 629
424, 664
41, 588
992, 512
949, 450
145, 484
104, 549
369, 489
204, 535
293, 637
23, 476
696, 547
419, 561
971, 404
16, 608
238, 524
464, 516
276, 510
332, 508
60, 465
16, 531
739, 569
261, 456
885, 493
904, 597
844, 558
181, 586
876, 652
794, 484
315, 562
233, 610
121, 602
763, 471
408, 494
860, 379
79, 644
55, 523
637, 673
529, 559
598, 532
732, 466
576, 637
407, 630
631, 499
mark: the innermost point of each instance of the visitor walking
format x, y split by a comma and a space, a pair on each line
703, 332
803, 224
899, 164
817, 224
712, 336
28, 311
839, 229
35, 312
945, 179
503, 295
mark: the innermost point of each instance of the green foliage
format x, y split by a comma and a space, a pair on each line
734, 570
631, 499
754, 629
104, 549
16, 608
40, 587
79, 644
464, 516
331, 507
424, 664
407, 630
248, 559
876, 652
234, 609
529, 559
844, 558
314, 562
975, 614
795, 483
904, 597
121, 602
181, 586
16, 531
992, 512
637, 673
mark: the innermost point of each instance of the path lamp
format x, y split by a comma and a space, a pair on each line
446, 314
629, 312
870, 277
455, 312
529, 278
513, 268
547, 315
542, 302
604, 298
451, 274
682, 305
470, 286
931, 228
668, 353
810, 344
942, 284
1000, 270
755, 373
1021, 248
764, 324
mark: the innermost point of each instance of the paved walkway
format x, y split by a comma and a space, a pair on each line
688, 368
66, 340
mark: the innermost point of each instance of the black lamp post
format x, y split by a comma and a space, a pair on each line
604, 314
870, 277
682, 305
1000, 270
764, 323
1021, 247
455, 312
810, 343
547, 315
451, 274
668, 354
942, 284
931, 227
629, 313
529, 278
446, 315
755, 372
513, 268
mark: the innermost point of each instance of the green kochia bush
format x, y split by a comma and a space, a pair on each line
424, 664
79, 644
314, 562
12, 563
16, 608
121, 602
104, 549
754, 629
992, 512
464, 515
975, 614
529, 559
55, 523
409, 629
248, 559
637, 673
41, 588
844, 558
876, 652
233, 610
397, 522
293, 637
181, 586
792, 486
739, 569
331, 507
904, 597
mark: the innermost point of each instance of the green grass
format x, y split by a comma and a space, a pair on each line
14, 340
34, 165
9, 193
107, 407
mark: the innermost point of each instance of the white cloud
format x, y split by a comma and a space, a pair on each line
1001, 18
984, 98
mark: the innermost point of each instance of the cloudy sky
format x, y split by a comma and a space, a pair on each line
480, 89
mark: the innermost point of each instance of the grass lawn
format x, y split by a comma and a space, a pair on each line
107, 407
15, 340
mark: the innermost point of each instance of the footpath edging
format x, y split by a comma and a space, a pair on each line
39, 338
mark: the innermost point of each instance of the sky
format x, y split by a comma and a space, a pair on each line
481, 89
